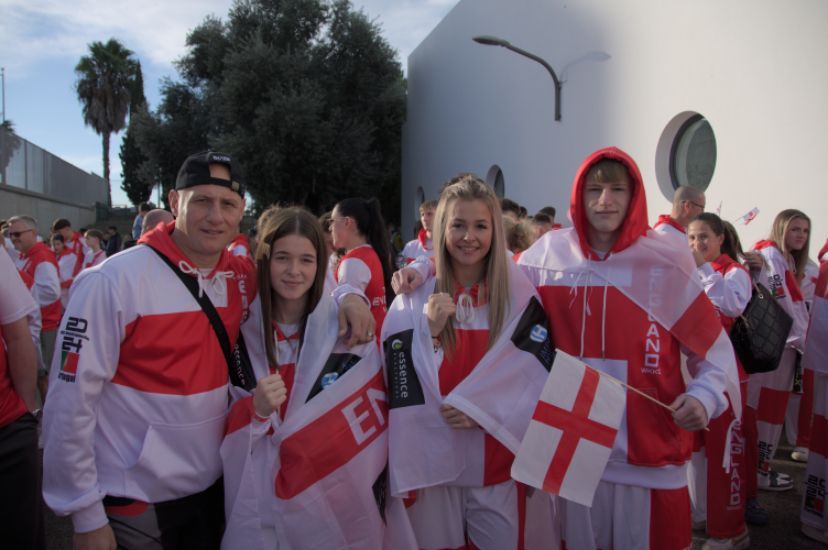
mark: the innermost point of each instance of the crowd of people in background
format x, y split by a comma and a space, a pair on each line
287, 388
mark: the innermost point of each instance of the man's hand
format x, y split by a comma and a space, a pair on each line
406, 280
456, 419
354, 314
101, 538
440, 308
689, 413
270, 393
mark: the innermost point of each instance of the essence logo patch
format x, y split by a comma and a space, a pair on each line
404, 389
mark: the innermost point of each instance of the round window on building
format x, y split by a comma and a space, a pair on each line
693, 155
495, 179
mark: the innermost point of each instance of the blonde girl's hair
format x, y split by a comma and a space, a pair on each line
780, 228
470, 187
274, 223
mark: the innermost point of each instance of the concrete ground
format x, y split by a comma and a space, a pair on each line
782, 532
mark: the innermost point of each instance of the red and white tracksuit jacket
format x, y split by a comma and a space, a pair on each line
93, 258
800, 406
138, 391
421, 246
303, 477
720, 471
463, 475
815, 359
67, 260
629, 312
41, 265
768, 392
665, 225
77, 245
361, 269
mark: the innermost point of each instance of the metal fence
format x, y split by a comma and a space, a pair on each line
27, 166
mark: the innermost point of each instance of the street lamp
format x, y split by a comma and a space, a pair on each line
495, 41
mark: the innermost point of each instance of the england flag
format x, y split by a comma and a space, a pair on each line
572, 431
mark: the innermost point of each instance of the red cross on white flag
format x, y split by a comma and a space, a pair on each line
569, 440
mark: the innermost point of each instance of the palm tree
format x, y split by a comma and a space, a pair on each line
103, 86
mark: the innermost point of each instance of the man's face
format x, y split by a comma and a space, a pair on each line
67, 233
22, 235
427, 219
606, 204
690, 209
207, 216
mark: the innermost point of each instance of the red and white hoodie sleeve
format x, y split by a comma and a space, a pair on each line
70, 477
354, 272
729, 293
46, 284
776, 276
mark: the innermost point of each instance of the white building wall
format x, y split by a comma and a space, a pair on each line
756, 69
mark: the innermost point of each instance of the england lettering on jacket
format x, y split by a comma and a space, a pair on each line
73, 337
737, 451
652, 340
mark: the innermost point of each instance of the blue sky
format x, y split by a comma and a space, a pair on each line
42, 40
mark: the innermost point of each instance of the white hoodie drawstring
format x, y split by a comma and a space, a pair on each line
218, 281
604, 324
465, 308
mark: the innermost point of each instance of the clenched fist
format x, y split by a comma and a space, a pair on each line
440, 308
270, 393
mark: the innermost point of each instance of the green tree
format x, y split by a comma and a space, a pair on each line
306, 93
103, 86
136, 184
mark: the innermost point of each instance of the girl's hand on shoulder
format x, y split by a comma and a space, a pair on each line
456, 419
270, 393
440, 308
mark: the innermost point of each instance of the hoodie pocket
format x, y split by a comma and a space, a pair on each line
654, 439
177, 460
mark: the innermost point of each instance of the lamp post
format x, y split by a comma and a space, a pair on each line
495, 41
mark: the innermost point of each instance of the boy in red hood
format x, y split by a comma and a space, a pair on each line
627, 301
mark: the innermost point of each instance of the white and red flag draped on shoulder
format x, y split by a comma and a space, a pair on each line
569, 440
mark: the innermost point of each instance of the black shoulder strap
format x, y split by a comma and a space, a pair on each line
206, 305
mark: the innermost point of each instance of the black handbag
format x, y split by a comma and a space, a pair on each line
759, 335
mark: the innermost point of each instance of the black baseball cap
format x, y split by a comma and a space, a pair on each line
196, 171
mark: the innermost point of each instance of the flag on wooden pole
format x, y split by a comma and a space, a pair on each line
571, 434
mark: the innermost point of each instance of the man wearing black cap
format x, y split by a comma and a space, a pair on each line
134, 424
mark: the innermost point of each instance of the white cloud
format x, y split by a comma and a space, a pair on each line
405, 23
37, 30
46, 29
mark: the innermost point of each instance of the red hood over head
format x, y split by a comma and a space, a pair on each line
635, 223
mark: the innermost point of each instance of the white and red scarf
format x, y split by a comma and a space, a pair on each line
322, 462
499, 394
